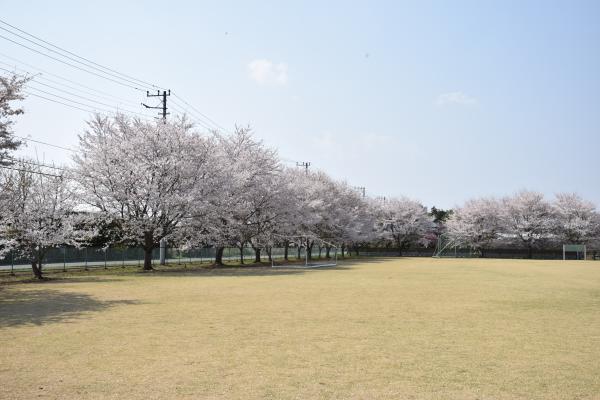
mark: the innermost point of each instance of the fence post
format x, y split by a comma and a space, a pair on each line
162, 256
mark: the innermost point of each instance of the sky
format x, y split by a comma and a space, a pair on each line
435, 100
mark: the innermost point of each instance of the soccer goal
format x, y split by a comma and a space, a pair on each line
449, 248
579, 250
304, 257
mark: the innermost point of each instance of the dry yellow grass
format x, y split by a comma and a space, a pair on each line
378, 329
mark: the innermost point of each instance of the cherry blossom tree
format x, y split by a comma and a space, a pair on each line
10, 90
477, 224
404, 221
147, 175
245, 205
529, 219
37, 208
576, 219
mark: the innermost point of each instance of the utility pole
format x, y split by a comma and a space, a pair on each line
361, 189
163, 113
163, 106
304, 164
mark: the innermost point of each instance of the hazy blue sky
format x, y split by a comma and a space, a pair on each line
439, 101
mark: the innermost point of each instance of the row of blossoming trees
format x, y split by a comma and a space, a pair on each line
526, 220
137, 183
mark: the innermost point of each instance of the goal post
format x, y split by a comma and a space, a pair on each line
446, 247
579, 249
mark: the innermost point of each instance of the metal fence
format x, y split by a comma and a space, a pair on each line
510, 253
64, 258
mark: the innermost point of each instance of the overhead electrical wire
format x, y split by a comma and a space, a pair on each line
80, 57
129, 81
72, 65
37, 77
45, 143
93, 68
201, 118
58, 76
74, 94
198, 111
27, 170
37, 164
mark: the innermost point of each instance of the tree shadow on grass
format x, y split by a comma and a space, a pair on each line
25, 306
224, 271
257, 269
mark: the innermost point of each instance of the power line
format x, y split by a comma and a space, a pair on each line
199, 112
20, 160
45, 143
30, 171
67, 57
195, 118
59, 102
37, 77
91, 108
60, 77
191, 116
102, 69
71, 65
80, 57
67, 99
104, 95
83, 97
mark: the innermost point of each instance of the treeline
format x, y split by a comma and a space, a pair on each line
137, 183
525, 220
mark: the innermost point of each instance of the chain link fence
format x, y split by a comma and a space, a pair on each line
65, 258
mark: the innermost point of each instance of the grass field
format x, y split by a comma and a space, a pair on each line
401, 328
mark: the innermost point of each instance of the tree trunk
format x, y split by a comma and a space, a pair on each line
399, 244
343, 248
242, 255
219, 255
37, 271
327, 251
529, 251
357, 250
299, 251
320, 249
286, 246
269, 253
257, 254
309, 250
482, 253
148, 247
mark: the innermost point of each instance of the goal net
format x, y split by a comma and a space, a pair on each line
449, 248
574, 251
306, 252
